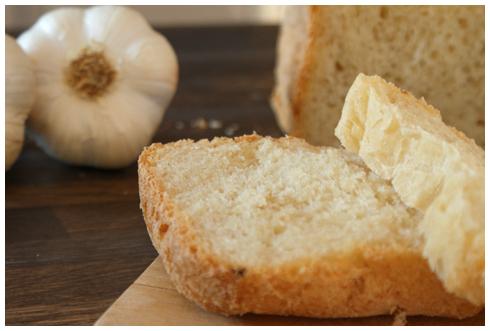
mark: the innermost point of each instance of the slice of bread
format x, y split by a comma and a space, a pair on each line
433, 167
282, 227
435, 52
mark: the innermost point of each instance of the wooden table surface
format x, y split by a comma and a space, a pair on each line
75, 238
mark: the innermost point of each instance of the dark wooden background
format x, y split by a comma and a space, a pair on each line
75, 238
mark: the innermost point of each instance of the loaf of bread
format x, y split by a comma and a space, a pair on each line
435, 52
281, 227
433, 167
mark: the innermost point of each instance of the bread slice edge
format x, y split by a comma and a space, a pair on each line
368, 281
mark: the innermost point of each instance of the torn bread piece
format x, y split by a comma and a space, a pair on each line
433, 167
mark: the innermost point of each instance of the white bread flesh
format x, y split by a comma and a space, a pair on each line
433, 167
277, 226
435, 52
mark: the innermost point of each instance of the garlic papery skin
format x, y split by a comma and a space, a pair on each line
105, 79
19, 98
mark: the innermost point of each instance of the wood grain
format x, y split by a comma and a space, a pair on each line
153, 300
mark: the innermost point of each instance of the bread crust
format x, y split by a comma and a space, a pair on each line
294, 44
367, 281
312, 104
300, 95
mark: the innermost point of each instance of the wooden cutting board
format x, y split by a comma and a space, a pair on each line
153, 300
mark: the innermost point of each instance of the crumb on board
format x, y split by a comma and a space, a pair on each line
199, 123
229, 131
215, 124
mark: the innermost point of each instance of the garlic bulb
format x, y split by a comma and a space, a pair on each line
105, 78
19, 98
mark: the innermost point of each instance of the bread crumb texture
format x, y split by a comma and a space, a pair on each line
277, 226
270, 201
435, 52
433, 167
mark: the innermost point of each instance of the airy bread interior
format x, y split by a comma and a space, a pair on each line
404, 140
265, 201
433, 167
435, 52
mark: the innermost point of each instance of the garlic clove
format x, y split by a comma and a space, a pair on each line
139, 60
62, 125
126, 147
56, 30
115, 27
158, 91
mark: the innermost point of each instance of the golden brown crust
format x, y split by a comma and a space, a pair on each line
301, 93
287, 103
380, 283
369, 281
301, 87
